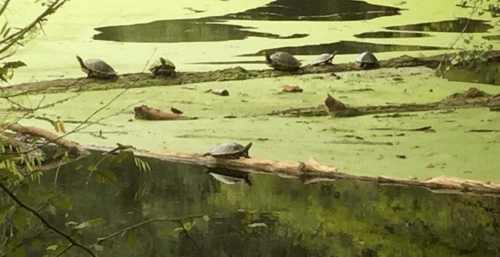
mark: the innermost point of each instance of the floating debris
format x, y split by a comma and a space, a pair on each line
220, 91
292, 89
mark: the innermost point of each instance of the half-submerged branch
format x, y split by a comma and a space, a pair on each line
313, 171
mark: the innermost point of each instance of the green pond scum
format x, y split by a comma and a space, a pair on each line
149, 207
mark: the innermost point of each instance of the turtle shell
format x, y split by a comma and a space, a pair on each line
230, 150
322, 59
366, 60
96, 68
162, 67
283, 61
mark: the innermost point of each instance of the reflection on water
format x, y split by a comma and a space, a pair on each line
389, 34
275, 217
213, 29
457, 25
343, 47
337, 10
171, 31
492, 37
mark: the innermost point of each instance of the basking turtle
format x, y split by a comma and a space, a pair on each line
282, 61
162, 68
229, 176
323, 59
366, 60
229, 150
96, 68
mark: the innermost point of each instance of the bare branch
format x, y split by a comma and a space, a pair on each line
44, 221
102, 239
50, 10
187, 234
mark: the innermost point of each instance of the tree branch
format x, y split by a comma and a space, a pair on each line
44, 221
187, 234
50, 10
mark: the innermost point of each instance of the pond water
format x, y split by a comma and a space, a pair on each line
214, 34
273, 217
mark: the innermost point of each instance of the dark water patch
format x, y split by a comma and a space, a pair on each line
458, 25
274, 217
213, 28
390, 34
492, 37
344, 47
315, 10
171, 31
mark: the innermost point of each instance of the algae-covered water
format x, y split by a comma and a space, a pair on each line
275, 216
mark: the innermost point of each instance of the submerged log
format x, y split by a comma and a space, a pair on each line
145, 112
313, 171
473, 98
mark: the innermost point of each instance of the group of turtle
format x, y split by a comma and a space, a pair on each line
96, 68
282, 61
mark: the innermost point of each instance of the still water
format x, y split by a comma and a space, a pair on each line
215, 34
273, 217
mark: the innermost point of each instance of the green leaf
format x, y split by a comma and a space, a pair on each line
52, 247
105, 176
92, 168
51, 209
14, 65
133, 241
19, 217
6, 32
63, 201
206, 218
19, 252
4, 27
97, 222
98, 248
78, 167
122, 155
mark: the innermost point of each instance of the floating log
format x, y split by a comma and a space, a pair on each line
145, 112
313, 171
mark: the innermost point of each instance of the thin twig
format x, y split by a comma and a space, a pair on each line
187, 234
474, 9
102, 239
43, 220
50, 10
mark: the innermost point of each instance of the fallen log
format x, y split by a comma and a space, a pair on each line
469, 99
313, 171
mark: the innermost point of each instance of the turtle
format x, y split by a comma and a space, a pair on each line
366, 60
229, 176
229, 150
323, 59
162, 68
96, 68
282, 61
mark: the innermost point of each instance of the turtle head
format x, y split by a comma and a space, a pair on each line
162, 61
245, 151
80, 60
335, 52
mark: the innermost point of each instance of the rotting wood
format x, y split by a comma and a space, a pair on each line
313, 171
145, 112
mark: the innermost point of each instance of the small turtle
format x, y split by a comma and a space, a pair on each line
162, 68
282, 61
229, 150
366, 60
96, 68
229, 176
323, 59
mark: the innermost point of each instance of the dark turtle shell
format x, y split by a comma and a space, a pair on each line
229, 176
162, 67
229, 150
366, 60
283, 61
323, 59
96, 68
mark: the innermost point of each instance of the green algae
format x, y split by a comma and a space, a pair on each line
341, 142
